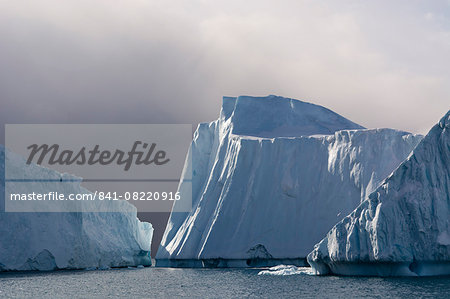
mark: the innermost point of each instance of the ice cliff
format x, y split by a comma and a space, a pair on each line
75, 240
270, 177
403, 227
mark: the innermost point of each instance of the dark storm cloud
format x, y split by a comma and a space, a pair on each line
171, 61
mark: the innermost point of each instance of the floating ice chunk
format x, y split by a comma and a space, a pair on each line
285, 270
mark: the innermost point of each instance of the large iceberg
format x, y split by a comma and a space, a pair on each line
72, 240
403, 227
269, 178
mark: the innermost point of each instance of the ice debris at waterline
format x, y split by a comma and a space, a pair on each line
403, 227
269, 178
286, 270
51, 241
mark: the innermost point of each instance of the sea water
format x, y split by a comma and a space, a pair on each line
205, 283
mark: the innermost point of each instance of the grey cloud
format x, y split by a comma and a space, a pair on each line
379, 64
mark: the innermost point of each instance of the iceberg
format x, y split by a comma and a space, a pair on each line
73, 240
269, 178
403, 227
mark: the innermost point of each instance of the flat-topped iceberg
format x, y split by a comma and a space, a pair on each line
403, 227
275, 116
270, 177
75, 240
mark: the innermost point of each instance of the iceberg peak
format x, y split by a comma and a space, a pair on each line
445, 121
274, 116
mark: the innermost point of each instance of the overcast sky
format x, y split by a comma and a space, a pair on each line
378, 63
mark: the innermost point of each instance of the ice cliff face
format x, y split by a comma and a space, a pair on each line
270, 177
50, 241
403, 227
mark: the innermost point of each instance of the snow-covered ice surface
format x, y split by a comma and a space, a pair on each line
260, 197
286, 270
50, 241
403, 227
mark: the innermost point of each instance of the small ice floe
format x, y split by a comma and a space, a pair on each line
284, 270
